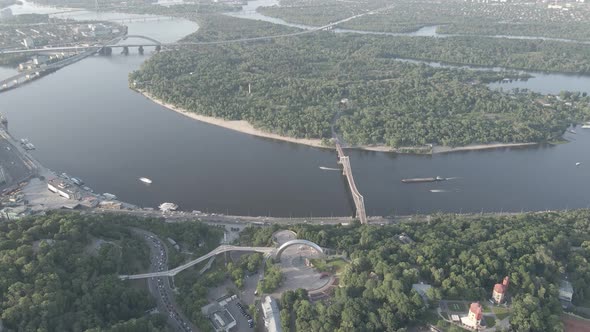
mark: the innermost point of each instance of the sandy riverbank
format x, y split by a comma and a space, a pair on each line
446, 149
247, 128
237, 125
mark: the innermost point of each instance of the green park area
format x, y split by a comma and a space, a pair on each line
334, 266
501, 312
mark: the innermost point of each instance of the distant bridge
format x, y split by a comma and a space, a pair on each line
77, 48
268, 251
154, 42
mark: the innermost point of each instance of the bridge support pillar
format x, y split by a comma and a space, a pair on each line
4, 122
140, 50
105, 51
158, 48
125, 50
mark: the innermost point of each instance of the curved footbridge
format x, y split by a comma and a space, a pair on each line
267, 251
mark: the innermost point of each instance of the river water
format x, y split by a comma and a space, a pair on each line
87, 123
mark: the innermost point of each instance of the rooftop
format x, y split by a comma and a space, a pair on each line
272, 319
476, 308
499, 288
566, 286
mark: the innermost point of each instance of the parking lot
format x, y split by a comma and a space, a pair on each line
241, 320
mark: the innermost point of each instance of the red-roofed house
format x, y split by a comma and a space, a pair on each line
473, 319
500, 290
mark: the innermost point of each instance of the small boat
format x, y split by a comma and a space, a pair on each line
77, 181
578, 163
166, 207
418, 180
586, 125
109, 196
145, 180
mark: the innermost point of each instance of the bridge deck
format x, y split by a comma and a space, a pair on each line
358, 199
219, 250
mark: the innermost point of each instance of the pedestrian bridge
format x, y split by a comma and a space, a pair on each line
267, 251
359, 200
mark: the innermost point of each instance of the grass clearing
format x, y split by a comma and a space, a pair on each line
501, 312
331, 265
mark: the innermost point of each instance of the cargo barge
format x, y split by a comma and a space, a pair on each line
420, 180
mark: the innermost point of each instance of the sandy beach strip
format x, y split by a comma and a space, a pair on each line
246, 128
236, 125
446, 149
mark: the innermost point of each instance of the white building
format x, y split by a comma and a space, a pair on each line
5, 13
272, 319
422, 289
566, 291
473, 319
29, 42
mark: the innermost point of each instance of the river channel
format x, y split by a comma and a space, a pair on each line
85, 121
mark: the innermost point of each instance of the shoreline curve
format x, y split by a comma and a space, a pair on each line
245, 127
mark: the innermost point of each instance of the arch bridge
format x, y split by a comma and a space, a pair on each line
156, 42
267, 251
297, 242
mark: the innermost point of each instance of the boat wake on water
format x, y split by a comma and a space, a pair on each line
439, 191
329, 168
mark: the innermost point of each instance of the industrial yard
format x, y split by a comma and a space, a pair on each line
29, 188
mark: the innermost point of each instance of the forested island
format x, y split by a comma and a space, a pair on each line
299, 86
514, 18
461, 257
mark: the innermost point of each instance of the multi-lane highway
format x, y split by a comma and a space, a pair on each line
160, 287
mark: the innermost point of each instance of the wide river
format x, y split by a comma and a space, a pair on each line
86, 122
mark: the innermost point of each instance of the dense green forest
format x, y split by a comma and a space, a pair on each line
190, 11
462, 257
297, 83
59, 271
52, 279
455, 17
